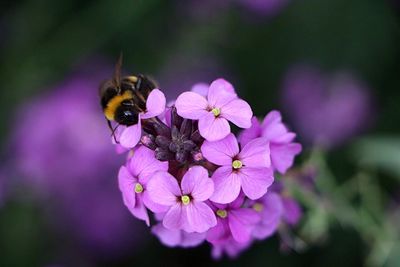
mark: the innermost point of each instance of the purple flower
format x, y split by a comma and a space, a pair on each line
222, 105
177, 238
265, 7
326, 109
155, 105
62, 150
283, 149
248, 169
271, 210
229, 247
187, 210
133, 180
2, 189
291, 210
233, 221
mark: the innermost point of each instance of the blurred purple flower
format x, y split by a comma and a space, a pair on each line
265, 7
326, 109
229, 247
203, 9
206, 9
271, 210
291, 209
63, 149
2, 189
177, 238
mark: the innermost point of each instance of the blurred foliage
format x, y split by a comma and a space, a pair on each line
42, 40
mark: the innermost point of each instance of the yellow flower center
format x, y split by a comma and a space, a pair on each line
216, 111
185, 199
237, 164
222, 213
258, 207
138, 188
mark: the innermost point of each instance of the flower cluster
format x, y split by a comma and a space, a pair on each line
197, 179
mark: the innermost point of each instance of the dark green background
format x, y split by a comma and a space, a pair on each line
42, 41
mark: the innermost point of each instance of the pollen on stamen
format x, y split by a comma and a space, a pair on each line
237, 164
222, 213
138, 188
258, 207
185, 199
216, 111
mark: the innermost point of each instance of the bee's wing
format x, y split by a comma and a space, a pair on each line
117, 72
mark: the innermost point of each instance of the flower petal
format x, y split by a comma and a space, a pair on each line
175, 218
213, 128
271, 214
273, 128
192, 239
200, 217
226, 185
220, 93
219, 233
140, 211
292, 210
251, 133
130, 137
143, 164
155, 104
255, 181
192, 106
283, 155
221, 152
256, 153
197, 183
163, 189
126, 184
200, 88
170, 238
241, 222
238, 112
151, 205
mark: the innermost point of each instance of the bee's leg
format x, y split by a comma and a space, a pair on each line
139, 82
113, 131
146, 85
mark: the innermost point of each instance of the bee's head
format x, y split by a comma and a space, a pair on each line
126, 114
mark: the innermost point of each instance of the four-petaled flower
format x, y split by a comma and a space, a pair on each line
233, 221
270, 209
248, 169
222, 105
186, 207
133, 180
283, 149
155, 105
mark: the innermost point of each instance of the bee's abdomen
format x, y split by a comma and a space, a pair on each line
114, 103
106, 97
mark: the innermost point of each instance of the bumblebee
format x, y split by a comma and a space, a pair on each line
122, 99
